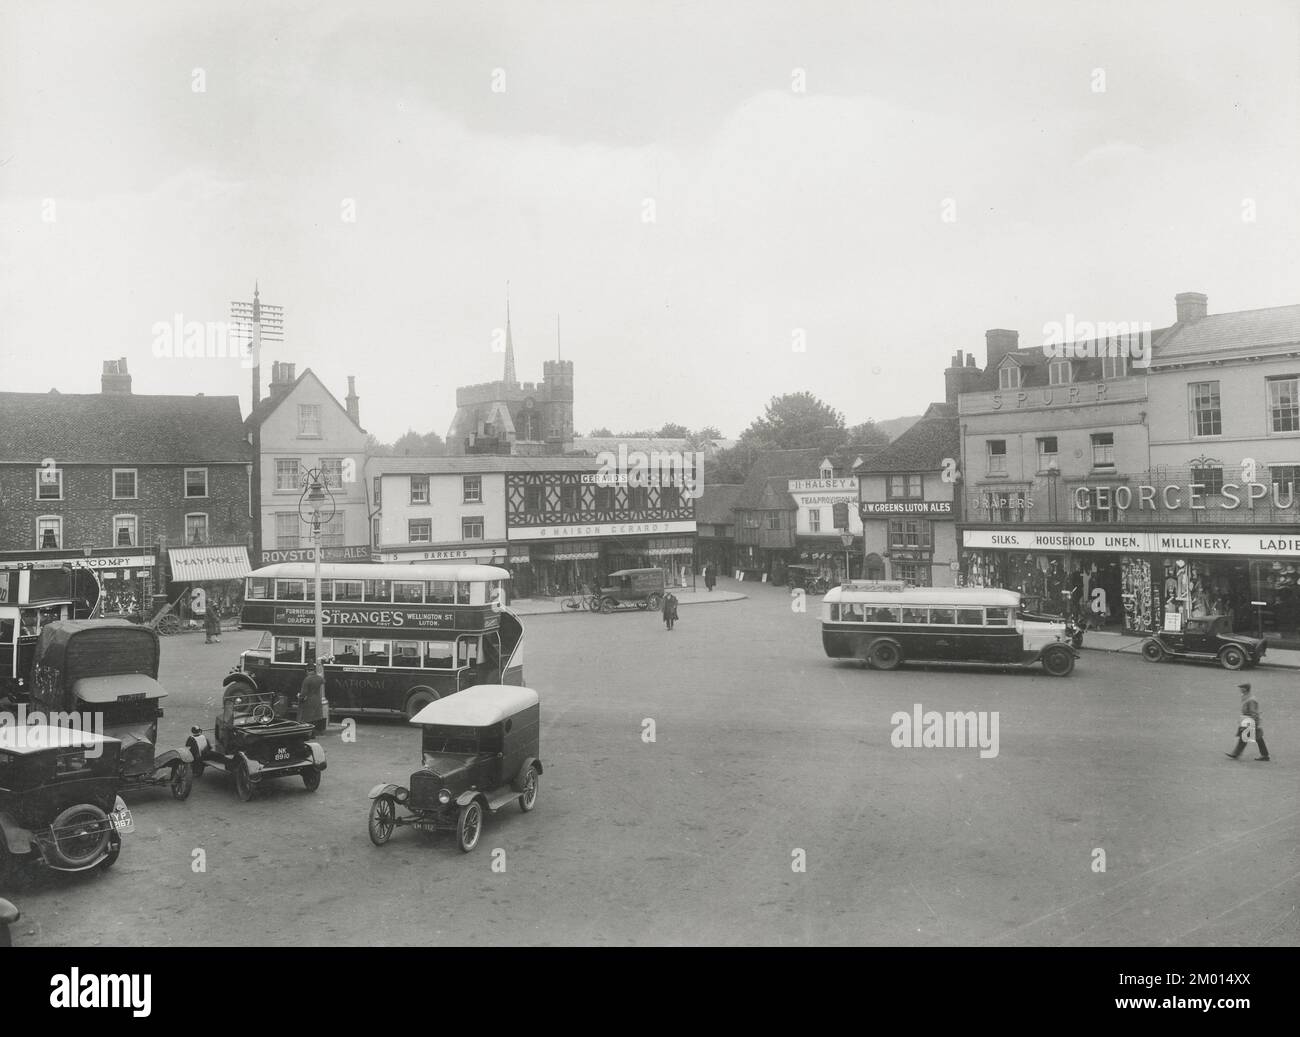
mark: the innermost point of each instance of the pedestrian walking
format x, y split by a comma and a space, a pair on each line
212, 625
670, 610
1251, 727
710, 577
312, 707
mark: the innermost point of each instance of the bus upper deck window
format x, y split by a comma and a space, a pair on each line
290, 590
462, 593
441, 592
379, 590
408, 592
347, 590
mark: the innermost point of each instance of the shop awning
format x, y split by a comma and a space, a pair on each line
575, 550
661, 547
208, 564
519, 553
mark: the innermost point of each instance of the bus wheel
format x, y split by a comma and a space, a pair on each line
1058, 661
418, 699
884, 655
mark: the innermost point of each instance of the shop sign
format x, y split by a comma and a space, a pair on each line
451, 554
869, 509
1172, 497
357, 553
1264, 544
600, 529
820, 485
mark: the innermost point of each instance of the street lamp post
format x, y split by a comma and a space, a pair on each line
316, 497
846, 538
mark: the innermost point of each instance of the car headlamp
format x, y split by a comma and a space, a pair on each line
444, 797
401, 795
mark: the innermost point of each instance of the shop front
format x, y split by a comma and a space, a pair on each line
1130, 579
547, 561
126, 580
208, 578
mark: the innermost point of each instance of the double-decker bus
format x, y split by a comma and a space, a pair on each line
396, 637
33, 594
884, 624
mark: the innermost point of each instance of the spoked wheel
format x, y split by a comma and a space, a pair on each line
1152, 652
571, 604
606, 605
182, 781
528, 799
592, 604
469, 826
243, 782
383, 819
655, 602
311, 778
80, 835
169, 624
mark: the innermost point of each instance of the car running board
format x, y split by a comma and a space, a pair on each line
502, 797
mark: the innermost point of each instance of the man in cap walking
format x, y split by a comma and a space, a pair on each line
1250, 719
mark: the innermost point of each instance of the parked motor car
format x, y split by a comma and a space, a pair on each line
1206, 639
633, 588
479, 752
108, 669
252, 743
807, 577
59, 802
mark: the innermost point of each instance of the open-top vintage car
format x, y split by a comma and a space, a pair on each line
252, 743
633, 588
59, 802
807, 577
107, 669
1207, 639
479, 752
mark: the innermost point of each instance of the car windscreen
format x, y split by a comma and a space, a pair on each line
443, 738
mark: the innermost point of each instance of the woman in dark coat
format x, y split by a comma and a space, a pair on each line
670, 610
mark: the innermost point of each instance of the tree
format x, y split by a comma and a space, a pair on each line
796, 421
673, 431
415, 444
600, 433
862, 441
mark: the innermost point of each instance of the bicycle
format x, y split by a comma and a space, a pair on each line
583, 601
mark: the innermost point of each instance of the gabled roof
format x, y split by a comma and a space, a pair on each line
120, 428
1242, 332
922, 448
781, 466
1034, 362
269, 404
715, 503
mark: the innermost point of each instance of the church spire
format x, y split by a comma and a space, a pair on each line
511, 379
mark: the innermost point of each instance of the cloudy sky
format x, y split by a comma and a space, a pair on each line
691, 187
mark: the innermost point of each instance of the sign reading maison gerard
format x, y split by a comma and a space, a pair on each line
600, 529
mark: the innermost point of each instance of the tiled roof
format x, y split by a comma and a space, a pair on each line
267, 404
1240, 332
924, 446
598, 443
120, 428
1033, 363
781, 466
715, 503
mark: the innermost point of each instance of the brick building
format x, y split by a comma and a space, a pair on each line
130, 484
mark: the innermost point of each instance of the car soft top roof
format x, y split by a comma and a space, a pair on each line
99, 690
479, 706
34, 738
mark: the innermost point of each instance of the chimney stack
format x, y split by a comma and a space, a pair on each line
281, 379
115, 379
1190, 306
998, 343
961, 376
353, 401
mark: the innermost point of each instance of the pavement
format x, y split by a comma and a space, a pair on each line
724, 783
1104, 641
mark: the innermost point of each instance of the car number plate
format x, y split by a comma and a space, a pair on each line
282, 754
122, 821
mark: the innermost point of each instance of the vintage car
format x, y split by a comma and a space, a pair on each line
627, 588
107, 669
1206, 639
252, 743
806, 577
479, 752
59, 802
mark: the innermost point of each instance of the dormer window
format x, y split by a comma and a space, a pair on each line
827, 472
1009, 377
1059, 372
1114, 367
